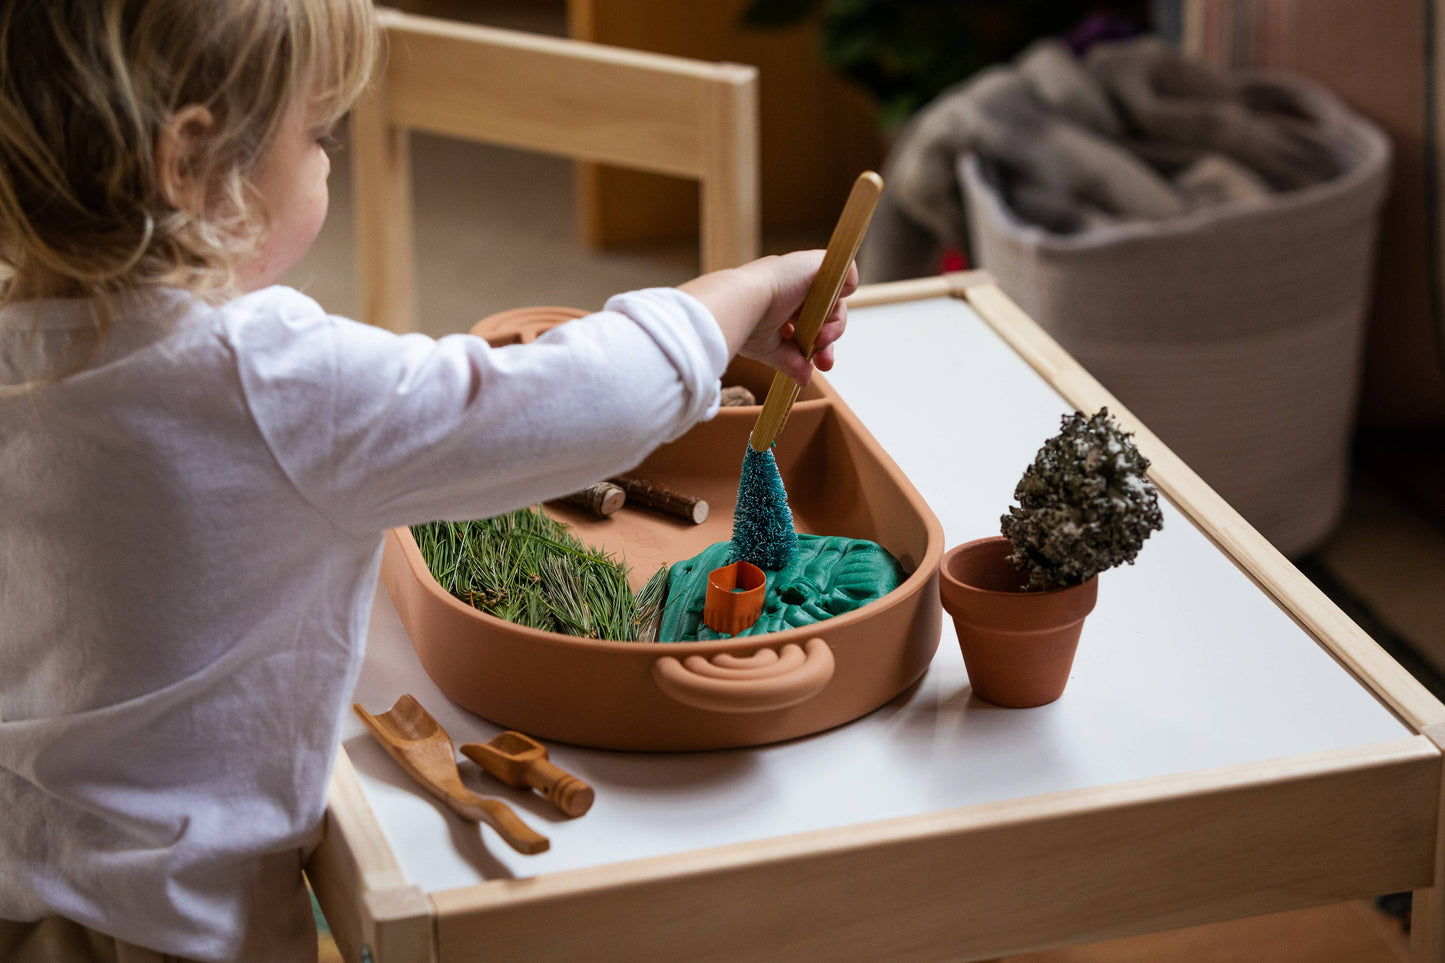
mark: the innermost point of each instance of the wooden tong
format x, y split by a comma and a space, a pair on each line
842, 248
422, 747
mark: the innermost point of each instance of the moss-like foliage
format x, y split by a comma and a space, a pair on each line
1084, 506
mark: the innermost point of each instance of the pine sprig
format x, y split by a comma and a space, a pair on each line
527, 568
651, 599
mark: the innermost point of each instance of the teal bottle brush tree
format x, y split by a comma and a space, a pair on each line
763, 532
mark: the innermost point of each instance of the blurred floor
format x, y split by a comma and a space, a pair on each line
496, 231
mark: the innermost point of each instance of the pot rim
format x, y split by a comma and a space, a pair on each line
975, 544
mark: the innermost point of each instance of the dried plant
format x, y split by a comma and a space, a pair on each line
1084, 506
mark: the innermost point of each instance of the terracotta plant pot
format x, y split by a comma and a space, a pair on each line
1018, 646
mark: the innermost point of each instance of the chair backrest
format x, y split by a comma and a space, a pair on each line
586, 101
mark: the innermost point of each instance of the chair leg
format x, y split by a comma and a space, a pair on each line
731, 224
385, 255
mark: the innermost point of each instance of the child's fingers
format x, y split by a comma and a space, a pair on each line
828, 335
833, 328
850, 283
837, 321
793, 275
788, 359
771, 341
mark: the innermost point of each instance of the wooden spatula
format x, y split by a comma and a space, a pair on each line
422, 747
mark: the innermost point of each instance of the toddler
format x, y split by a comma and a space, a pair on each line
197, 466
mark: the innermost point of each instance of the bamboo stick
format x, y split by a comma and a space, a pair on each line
842, 248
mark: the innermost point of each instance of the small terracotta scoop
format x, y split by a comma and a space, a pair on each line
521, 761
422, 747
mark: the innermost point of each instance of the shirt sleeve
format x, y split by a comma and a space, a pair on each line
378, 429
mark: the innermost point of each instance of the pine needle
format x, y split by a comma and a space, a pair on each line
527, 568
650, 602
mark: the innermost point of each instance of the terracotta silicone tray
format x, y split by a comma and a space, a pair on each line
699, 695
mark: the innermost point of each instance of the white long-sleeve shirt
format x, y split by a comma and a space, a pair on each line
190, 531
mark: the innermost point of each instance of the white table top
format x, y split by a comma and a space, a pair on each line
1184, 664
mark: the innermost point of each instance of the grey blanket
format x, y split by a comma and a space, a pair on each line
1133, 131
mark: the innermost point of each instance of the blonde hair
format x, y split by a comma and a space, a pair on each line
87, 88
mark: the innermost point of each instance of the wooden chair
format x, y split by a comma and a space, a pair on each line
585, 101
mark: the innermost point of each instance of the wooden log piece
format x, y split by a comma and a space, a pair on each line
652, 495
737, 396
601, 499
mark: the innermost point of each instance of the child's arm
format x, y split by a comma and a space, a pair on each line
378, 430
756, 303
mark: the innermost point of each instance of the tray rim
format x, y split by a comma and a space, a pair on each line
916, 581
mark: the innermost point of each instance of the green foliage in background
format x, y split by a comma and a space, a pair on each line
905, 52
527, 568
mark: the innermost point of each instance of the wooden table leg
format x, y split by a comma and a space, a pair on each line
1427, 908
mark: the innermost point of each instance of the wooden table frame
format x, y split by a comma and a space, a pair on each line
978, 881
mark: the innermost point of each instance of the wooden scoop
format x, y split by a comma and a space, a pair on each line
422, 747
521, 761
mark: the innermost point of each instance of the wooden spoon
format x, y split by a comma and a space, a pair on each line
422, 747
521, 761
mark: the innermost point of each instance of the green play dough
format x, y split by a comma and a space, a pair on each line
831, 575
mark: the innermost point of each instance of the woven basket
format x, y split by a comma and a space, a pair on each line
1234, 332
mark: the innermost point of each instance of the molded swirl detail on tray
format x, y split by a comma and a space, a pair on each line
768, 679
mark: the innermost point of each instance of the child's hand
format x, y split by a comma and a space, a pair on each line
756, 304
